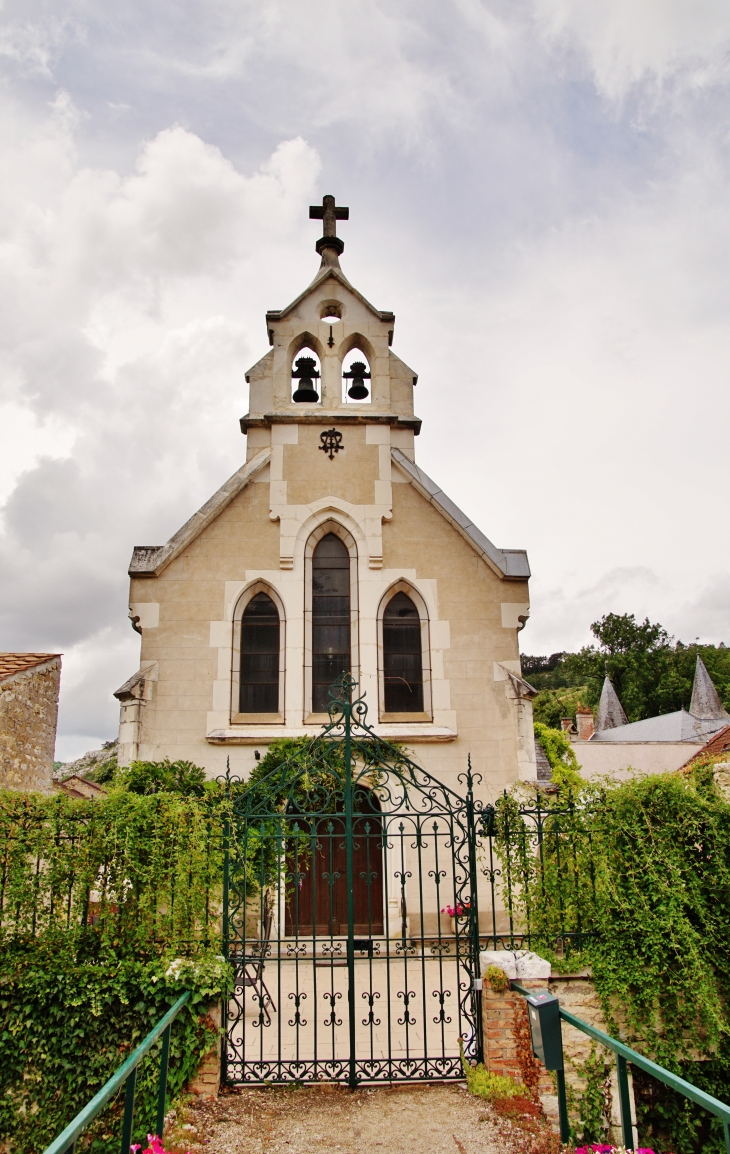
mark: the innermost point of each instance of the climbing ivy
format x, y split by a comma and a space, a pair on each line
634, 880
98, 899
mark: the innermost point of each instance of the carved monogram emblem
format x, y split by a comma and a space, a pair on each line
331, 442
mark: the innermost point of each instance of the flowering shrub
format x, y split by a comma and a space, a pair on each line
597, 1148
154, 1146
458, 911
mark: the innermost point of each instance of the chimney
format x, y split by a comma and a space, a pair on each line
566, 724
584, 722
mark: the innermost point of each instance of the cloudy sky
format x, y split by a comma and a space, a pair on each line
538, 188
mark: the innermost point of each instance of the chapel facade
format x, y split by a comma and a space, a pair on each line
330, 550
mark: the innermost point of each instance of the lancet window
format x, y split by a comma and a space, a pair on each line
331, 620
402, 656
260, 643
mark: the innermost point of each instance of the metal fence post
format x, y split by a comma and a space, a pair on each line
624, 1096
563, 1108
162, 1089
130, 1087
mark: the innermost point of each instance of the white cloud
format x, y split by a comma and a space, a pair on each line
627, 42
114, 364
539, 189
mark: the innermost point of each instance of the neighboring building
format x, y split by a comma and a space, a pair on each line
716, 746
654, 745
80, 787
29, 686
330, 549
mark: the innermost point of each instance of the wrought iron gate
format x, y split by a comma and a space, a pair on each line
350, 916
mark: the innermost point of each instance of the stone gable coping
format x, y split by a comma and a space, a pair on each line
324, 273
151, 560
511, 564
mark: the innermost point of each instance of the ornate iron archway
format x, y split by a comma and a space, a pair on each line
350, 915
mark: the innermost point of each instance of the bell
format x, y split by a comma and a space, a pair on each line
358, 390
305, 369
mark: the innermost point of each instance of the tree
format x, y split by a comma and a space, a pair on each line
651, 673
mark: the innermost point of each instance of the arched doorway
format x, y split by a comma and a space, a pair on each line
316, 871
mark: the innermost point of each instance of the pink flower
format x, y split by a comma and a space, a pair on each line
456, 911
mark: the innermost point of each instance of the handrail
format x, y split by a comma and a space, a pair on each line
625, 1054
127, 1074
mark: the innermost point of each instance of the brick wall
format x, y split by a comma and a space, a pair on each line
206, 1082
28, 714
507, 1049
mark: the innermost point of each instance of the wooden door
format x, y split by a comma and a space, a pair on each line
317, 881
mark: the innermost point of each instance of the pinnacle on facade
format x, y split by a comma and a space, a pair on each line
610, 710
705, 704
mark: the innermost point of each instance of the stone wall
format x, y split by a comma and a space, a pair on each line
28, 714
505, 1018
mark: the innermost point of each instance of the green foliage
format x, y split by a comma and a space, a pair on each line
561, 757
69, 1021
98, 898
139, 868
106, 767
480, 1082
651, 673
544, 672
496, 978
591, 1103
551, 705
642, 870
147, 777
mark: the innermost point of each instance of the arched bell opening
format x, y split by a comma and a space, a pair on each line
306, 376
356, 377
316, 868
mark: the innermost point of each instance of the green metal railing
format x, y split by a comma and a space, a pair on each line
126, 1075
625, 1054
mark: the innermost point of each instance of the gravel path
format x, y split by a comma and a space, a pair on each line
434, 1119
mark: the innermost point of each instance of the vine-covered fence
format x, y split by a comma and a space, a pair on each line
129, 867
109, 909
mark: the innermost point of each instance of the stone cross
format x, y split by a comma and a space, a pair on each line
329, 213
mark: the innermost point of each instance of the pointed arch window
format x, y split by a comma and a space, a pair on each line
402, 656
260, 647
331, 619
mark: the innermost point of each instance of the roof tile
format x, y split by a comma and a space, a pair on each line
12, 663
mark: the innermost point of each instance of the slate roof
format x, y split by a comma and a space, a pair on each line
610, 710
705, 700
508, 562
678, 726
12, 663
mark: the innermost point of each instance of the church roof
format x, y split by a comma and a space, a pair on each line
507, 562
12, 663
705, 700
678, 726
610, 710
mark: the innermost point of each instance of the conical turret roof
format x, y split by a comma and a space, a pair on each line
705, 702
610, 710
